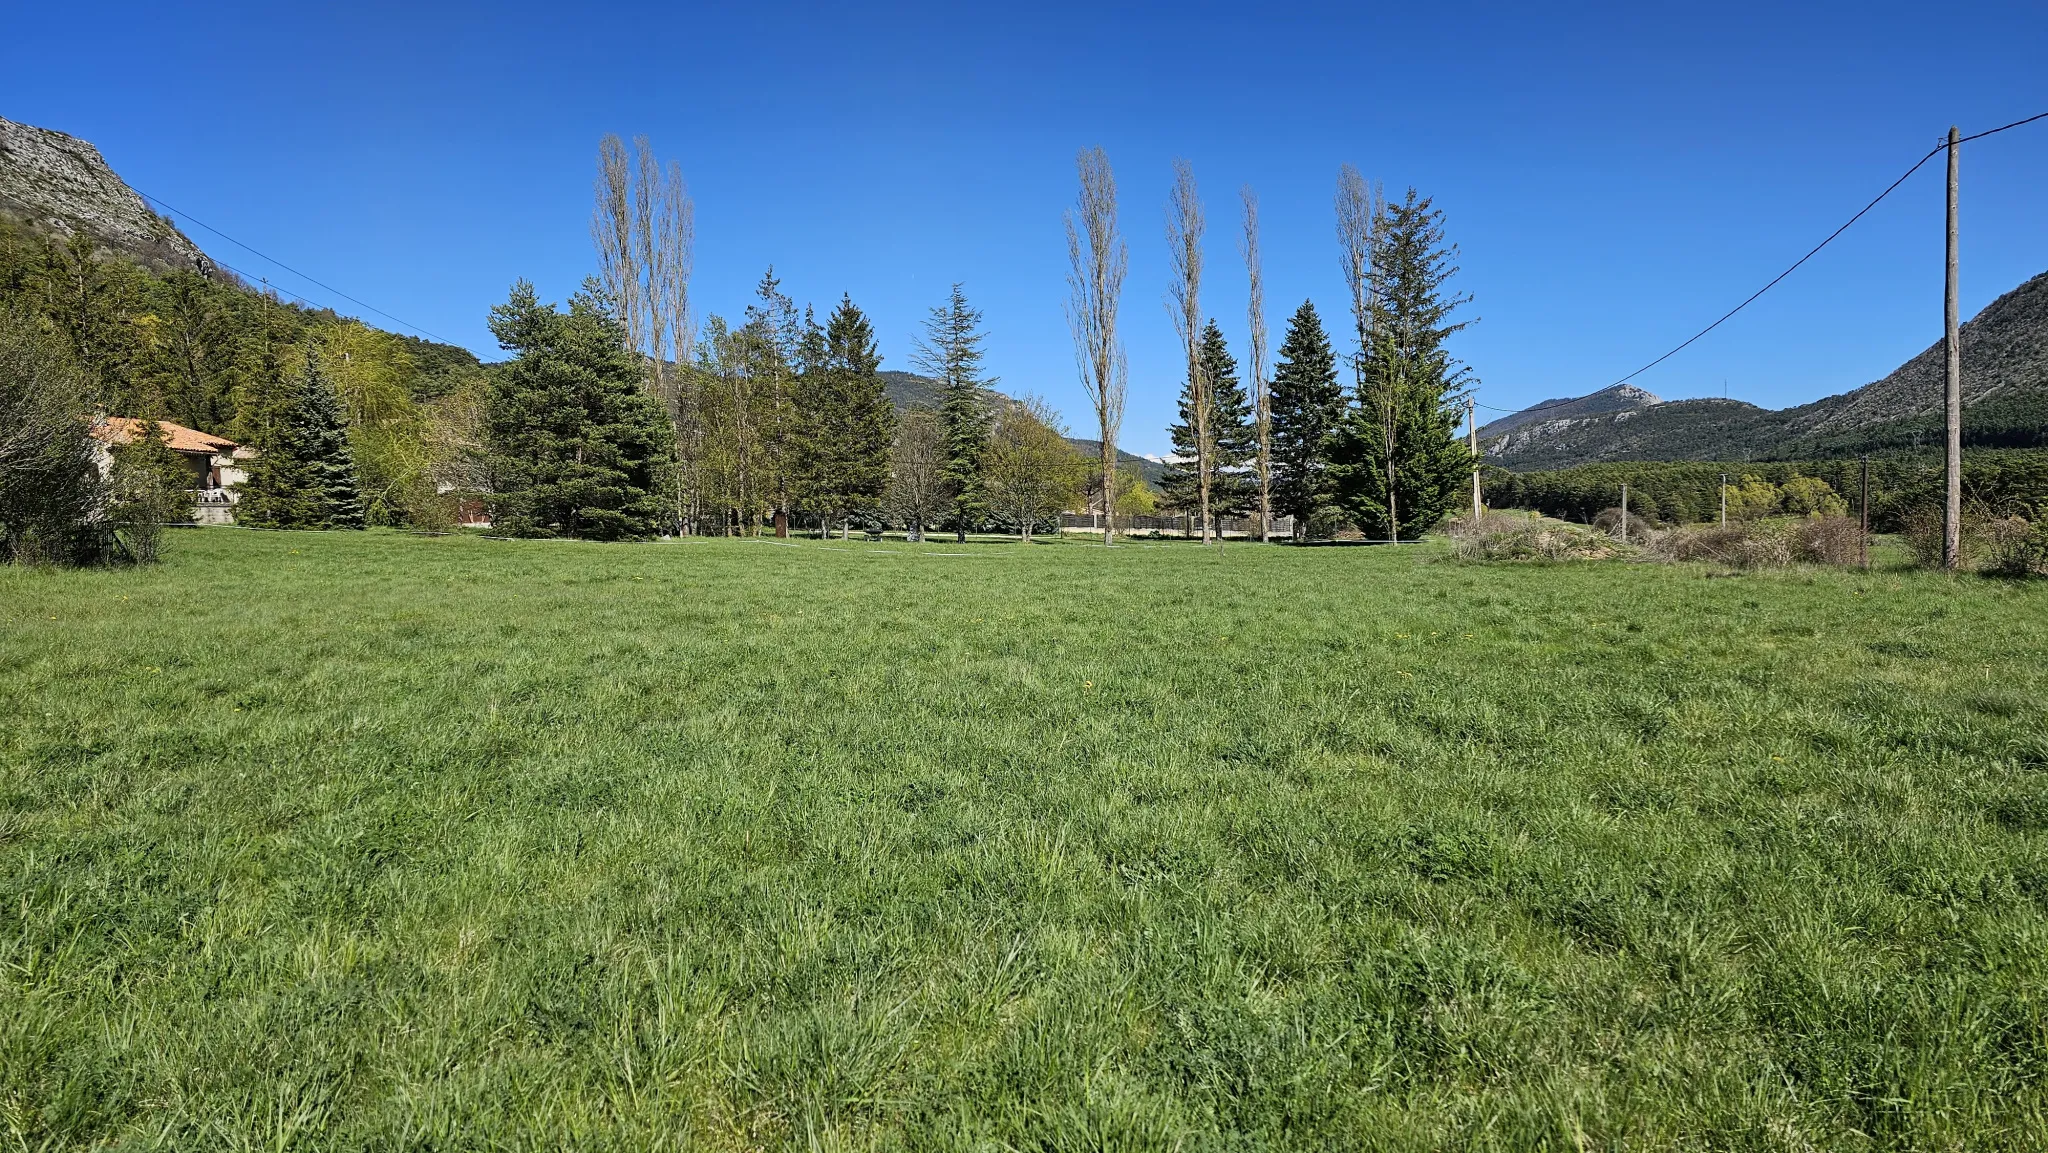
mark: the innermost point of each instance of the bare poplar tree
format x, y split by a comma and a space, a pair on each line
1262, 393
1184, 245
917, 470
1359, 205
644, 228
1097, 255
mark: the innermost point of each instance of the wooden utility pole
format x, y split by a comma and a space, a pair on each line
1863, 520
1472, 441
1624, 514
1952, 509
1724, 500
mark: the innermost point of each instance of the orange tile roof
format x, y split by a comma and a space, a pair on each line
128, 429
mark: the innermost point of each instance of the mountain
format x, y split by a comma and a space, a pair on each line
1618, 398
2005, 399
52, 184
909, 390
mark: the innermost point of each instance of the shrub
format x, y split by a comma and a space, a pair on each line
2017, 547
1922, 532
1498, 536
53, 500
1776, 543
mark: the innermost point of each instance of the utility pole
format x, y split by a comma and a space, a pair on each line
1472, 441
1863, 521
1624, 514
1724, 500
1952, 509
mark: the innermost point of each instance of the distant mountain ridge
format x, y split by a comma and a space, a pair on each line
2005, 396
52, 184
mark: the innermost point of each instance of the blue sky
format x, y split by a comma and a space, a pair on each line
1615, 175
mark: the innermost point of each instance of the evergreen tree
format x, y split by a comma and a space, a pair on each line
1308, 406
1234, 438
577, 447
853, 423
951, 352
303, 475
1399, 465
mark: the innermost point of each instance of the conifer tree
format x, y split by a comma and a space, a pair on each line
1233, 438
1407, 382
303, 475
951, 353
577, 447
1308, 405
854, 424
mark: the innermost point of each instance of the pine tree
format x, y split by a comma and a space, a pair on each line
1308, 406
1234, 489
1234, 439
854, 423
951, 352
1407, 384
577, 447
303, 475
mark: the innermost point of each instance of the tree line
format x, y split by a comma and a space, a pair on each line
1999, 482
351, 424
1378, 452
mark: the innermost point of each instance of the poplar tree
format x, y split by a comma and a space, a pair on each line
303, 475
951, 352
1308, 406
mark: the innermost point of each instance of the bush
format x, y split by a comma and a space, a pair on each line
1778, 543
1923, 533
1498, 536
2017, 547
53, 500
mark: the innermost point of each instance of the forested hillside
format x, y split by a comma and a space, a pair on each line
203, 350
2005, 396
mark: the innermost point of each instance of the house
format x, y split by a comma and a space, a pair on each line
217, 463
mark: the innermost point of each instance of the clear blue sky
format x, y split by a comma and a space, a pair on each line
1616, 175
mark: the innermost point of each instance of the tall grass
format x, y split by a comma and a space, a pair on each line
357, 841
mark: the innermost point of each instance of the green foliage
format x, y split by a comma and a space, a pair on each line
1233, 439
152, 487
849, 421
577, 448
209, 353
550, 846
304, 475
1398, 464
1308, 407
2001, 481
951, 352
53, 499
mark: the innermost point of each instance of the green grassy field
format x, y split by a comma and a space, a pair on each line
346, 841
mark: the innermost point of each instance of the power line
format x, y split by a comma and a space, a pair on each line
1889, 189
287, 268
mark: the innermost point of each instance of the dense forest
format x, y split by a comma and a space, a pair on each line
213, 354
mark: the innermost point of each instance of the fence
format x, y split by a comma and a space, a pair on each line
1188, 526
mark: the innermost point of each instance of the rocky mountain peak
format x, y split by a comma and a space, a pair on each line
52, 184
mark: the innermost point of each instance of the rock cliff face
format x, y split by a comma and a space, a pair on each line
52, 184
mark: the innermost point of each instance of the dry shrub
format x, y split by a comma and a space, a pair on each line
2016, 547
1497, 536
1833, 540
1639, 526
1923, 531
1836, 540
